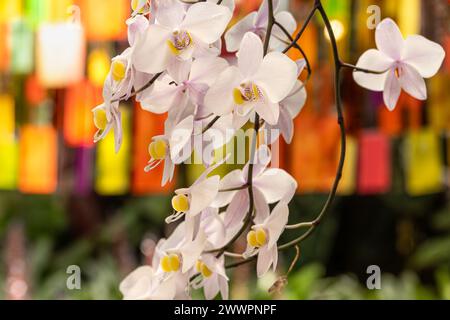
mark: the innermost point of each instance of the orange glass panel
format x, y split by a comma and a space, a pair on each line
147, 125
79, 127
105, 19
4, 47
38, 160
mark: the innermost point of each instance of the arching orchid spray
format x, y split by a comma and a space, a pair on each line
173, 66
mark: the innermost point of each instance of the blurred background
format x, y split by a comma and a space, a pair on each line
64, 201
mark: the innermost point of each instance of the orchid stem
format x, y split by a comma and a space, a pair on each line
148, 85
338, 65
296, 46
249, 217
358, 69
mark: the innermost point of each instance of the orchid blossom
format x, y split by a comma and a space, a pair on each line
263, 238
257, 84
173, 67
171, 148
178, 36
406, 62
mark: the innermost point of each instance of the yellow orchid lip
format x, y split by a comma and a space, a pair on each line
246, 93
181, 40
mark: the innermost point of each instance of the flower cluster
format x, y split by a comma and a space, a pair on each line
173, 66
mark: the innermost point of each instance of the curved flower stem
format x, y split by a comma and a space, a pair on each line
305, 24
338, 65
148, 85
296, 46
250, 214
355, 68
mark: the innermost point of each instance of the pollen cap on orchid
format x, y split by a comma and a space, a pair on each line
257, 238
170, 263
158, 149
203, 269
100, 120
180, 203
118, 70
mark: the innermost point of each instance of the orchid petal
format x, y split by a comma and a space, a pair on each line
206, 21
373, 60
424, 55
232, 180
205, 70
170, 14
276, 223
192, 251
250, 55
261, 207
136, 26
234, 36
276, 184
277, 76
169, 169
180, 136
279, 38
153, 43
237, 209
389, 39
265, 259
412, 82
211, 287
203, 194
392, 91
137, 285
219, 98
294, 103
268, 111
223, 285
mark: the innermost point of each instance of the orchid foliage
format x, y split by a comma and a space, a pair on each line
173, 66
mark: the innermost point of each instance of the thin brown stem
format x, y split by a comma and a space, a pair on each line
148, 85
250, 214
338, 65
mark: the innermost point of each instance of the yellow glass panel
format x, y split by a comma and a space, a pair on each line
423, 163
113, 170
347, 185
7, 116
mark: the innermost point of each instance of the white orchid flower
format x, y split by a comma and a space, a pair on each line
191, 81
213, 276
190, 202
172, 148
177, 36
263, 238
406, 62
270, 185
178, 257
257, 22
257, 84
143, 284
